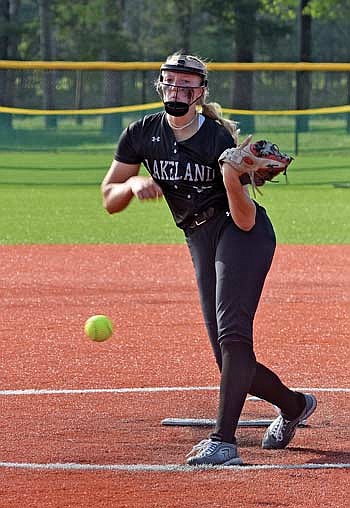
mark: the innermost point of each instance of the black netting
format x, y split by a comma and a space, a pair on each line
77, 89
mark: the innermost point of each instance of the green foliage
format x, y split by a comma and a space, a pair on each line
281, 9
151, 29
218, 30
329, 9
102, 20
324, 9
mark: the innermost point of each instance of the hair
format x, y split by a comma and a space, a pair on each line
213, 110
210, 109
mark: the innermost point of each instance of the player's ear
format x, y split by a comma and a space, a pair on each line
158, 85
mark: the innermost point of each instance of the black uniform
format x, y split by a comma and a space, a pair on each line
230, 264
188, 172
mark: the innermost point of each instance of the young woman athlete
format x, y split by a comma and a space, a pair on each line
229, 235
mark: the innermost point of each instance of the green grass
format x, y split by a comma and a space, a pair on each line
309, 215
54, 197
74, 214
54, 168
37, 206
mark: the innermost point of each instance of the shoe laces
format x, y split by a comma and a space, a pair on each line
206, 445
279, 428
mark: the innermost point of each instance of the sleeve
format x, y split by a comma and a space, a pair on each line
129, 149
224, 141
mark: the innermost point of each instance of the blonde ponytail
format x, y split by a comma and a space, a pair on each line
213, 110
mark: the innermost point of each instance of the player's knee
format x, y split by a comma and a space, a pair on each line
236, 338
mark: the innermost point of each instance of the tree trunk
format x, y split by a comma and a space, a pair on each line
14, 37
113, 82
184, 20
5, 118
304, 80
244, 38
46, 54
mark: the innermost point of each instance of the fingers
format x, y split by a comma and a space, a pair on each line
148, 194
153, 191
246, 141
145, 188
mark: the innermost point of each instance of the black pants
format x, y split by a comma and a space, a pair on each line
231, 266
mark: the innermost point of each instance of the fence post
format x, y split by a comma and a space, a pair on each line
348, 114
296, 135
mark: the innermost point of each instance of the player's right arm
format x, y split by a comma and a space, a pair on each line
122, 182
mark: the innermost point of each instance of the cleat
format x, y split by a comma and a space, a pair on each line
214, 453
281, 431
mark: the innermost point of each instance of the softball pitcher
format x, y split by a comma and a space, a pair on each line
229, 235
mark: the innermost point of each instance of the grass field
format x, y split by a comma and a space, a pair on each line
52, 196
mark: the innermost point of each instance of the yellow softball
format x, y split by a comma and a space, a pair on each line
99, 328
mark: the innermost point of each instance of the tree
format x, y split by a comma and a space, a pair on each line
337, 11
304, 80
112, 21
104, 21
183, 14
46, 52
245, 33
244, 21
148, 30
8, 51
5, 120
329, 9
336, 16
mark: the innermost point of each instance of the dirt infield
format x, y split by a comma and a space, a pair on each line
81, 420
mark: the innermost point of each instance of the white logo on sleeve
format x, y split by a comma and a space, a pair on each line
155, 139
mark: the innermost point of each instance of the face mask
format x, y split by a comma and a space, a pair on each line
178, 108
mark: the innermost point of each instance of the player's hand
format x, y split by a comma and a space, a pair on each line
144, 187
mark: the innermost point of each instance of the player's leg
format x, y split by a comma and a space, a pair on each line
295, 407
268, 386
242, 263
238, 370
200, 243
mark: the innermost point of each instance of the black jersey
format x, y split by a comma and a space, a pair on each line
187, 171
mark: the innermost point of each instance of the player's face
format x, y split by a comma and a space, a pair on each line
181, 86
